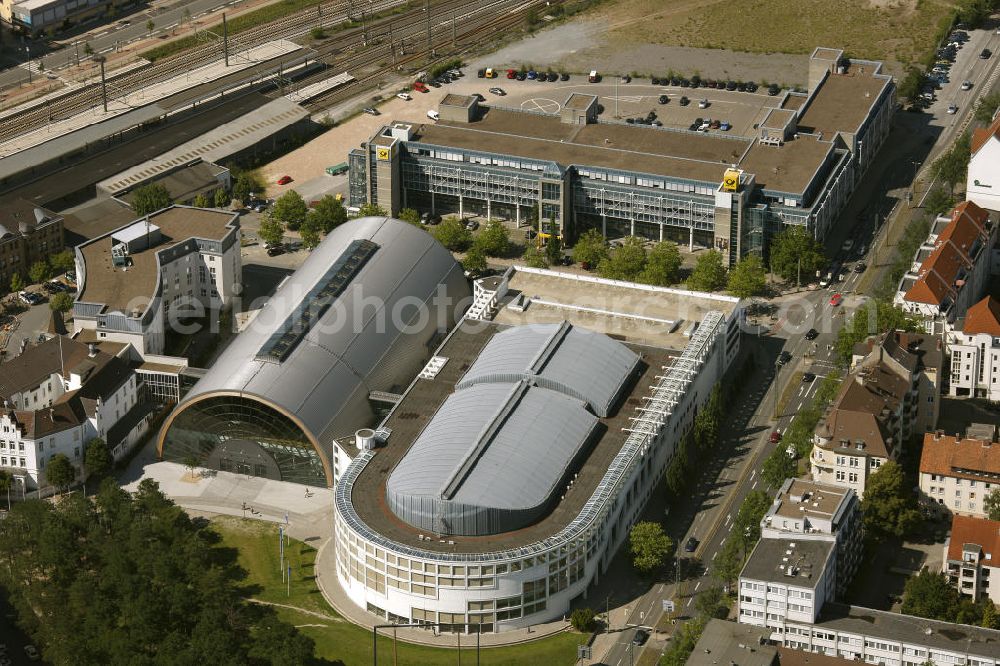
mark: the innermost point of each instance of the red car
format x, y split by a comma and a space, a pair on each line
284, 180
420, 86
775, 436
511, 73
836, 299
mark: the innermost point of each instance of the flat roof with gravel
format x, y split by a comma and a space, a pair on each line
772, 559
843, 102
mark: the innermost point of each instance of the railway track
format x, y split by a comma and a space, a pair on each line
89, 96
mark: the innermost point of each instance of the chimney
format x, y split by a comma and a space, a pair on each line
91, 349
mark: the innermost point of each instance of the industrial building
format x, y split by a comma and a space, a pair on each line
346, 332
503, 481
179, 262
798, 166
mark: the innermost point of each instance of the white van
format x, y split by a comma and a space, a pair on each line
433, 115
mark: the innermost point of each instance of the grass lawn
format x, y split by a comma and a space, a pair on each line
339, 641
900, 30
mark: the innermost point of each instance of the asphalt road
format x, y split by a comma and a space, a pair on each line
106, 37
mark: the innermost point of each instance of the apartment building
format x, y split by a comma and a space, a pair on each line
983, 184
786, 579
972, 557
974, 345
28, 233
950, 270
176, 263
812, 511
956, 473
917, 357
57, 396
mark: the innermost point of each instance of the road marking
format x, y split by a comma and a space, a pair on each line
754, 484
729, 517
714, 555
697, 585
752, 472
690, 600
723, 541
793, 415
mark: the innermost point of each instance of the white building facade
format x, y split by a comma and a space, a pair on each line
983, 186
956, 474
974, 346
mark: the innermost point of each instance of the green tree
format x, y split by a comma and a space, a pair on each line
663, 265
246, 186
590, 249
191, 462
150, 198
220, 198
475, 261
61, 302
290, 209
624, 262
678, 473
990, 619
533, 257
650, 546
729, 562
748, 277
950, 168
777, 467
88, 49
889, 507
988, 107
310, 233
280, 644
371, 210
682, 645
747, 522
271, 231
410, 215
39, 272
796, 255
582, 619
452, 234
149, 26
911, 85
712, 603
991, 504
709, 273
328, 214
63, 262
6, 483
553, 250
494, 239
200, 201
59, 471
930, 595
937, 201
16, 282
97, 458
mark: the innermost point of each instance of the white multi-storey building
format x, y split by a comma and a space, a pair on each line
951, 269
808, 510
974, 346
957, 474
177, 263
787, 580
972, 557
57, 396
983, 186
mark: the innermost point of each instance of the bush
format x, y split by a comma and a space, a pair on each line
582, 619
61, 302
453, 235
494, 239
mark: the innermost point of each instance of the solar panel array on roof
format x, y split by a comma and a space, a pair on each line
492, 459
571, 360
333, 283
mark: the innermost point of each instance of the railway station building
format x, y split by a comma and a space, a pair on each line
797, 166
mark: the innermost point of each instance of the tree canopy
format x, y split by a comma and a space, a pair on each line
748, 277
889, 507
928, 594
310, 233
410, 215
61, 302
475, 260
777, 467
709, 272
220, 198
371, 210
663, 265
452, 234
291, 209
650, 546
624, 262
97, 459
245, 185
271, 231
991, 504
132, 579
795, 253
590, 248
59, 471
39, 272
63, 261
327, 214
200, 201
150, 198
493, 239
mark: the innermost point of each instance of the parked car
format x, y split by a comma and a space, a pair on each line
420, 86
499, 92
654, 81
966, 85
564, 77
521, 76
553, 77
640, 638
703, 103
404, 96
430, 218
784, 357
847, 245
481, 73
690, 545
773, 89
472, 225
836, 300
683, 101
511, 73
532, 75
371, 111
985, 54
275, 250
626, 79
724, 126
284, 180
952, 109
714, 124
663, 99
730, 85
812, 334
31, 652
433, 115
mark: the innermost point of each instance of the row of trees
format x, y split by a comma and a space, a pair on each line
930, 595
290, 211
153, 197
132, 579
743, 536
42, 270
695, 444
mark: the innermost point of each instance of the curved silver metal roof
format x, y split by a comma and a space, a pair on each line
3, 231
581, 363
491, 460
378, 333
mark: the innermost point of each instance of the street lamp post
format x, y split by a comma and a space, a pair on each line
27, 50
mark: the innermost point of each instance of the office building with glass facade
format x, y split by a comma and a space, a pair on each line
798, 165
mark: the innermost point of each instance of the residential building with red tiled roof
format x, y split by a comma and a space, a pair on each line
983, 186
951, 269
957, 473
974, 345
58, 395
972, 557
